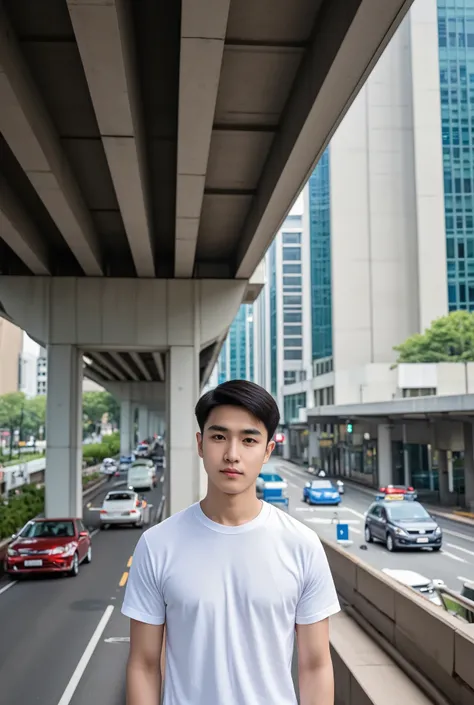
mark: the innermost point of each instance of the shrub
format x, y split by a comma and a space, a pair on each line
20, 508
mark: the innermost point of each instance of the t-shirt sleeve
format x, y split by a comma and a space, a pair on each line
319, 598
143, 599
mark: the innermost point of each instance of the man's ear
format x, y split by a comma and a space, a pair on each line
199, 443
269, 451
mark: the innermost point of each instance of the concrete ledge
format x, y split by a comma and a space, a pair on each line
364, 674
439, 646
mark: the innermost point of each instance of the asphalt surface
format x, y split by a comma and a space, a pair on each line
453, 564
50, 624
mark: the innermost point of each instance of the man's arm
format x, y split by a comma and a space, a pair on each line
144, 669
315, 672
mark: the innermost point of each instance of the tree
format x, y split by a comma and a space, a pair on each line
35, 416
449, 339
12, 410
95, 405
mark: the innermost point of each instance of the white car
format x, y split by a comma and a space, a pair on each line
122, 507
141, 475
415, 581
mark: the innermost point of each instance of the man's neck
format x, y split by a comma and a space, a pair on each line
231, 510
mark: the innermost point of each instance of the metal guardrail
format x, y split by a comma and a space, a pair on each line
456, 604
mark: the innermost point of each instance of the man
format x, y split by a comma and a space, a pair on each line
232, 577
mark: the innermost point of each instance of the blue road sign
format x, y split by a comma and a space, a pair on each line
342, 532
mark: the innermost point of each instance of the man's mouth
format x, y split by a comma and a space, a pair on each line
231, 472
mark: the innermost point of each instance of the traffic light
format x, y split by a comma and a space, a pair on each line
349, 428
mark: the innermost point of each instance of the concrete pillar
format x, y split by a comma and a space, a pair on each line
406, 459
63, 492
182, 459
142, 422
125, 427
443, 477
313, 448
384, 455
469, 464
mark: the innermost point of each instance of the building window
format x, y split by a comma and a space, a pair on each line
293, 342
292, 330
320, 239
293, 354
420, 392
292, 317
289, 377
292, 404
456, 71
292, 269
291, 254
292, 301
291, 238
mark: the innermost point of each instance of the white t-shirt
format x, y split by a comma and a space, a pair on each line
230, 596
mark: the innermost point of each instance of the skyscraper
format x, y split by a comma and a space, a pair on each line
11, 340
236, 359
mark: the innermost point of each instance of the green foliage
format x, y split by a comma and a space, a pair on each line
20, 508
94, 453
89, 479
95, 405
449, 339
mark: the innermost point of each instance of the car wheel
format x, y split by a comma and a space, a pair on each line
368, 535
88, 558
436, 548
304, 499
75, 566
104, 527
390, 543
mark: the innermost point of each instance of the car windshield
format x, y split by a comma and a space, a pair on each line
407, 510
321, 485
48, 529
118, 497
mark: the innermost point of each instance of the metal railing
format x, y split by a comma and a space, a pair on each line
456, 603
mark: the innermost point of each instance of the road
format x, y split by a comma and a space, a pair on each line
453, 564
49, 626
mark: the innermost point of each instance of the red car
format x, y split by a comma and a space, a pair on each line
398, 492
49, 546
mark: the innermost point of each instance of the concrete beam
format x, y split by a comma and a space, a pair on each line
32, 137
125, 366
104, 35
102, 360
203, 30
159, 365
349, 40
104, 314
141, 366
20, 233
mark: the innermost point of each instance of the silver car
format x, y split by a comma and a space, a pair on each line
122, 507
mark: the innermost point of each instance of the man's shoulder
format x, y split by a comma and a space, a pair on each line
174, 524
295, 531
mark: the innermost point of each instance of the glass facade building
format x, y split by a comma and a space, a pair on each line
456, 69
320, 244
236, 359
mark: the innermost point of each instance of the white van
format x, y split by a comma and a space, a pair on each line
141, 476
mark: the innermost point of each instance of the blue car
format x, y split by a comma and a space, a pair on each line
321, 492
272, 488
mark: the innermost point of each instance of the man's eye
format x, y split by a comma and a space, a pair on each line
218, 436
250, 440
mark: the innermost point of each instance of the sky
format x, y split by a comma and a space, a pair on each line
298, 206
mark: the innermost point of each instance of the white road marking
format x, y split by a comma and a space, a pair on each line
293, 484
465, 580
458, 535
93, 533
7, 586
117, 639
321, 520
460, 548
451, 555
355, 531
71, 687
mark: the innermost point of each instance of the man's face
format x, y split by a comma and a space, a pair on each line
234, 447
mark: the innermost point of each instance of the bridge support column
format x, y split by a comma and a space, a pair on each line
63, 493
384, 455
469, 464
126, 427
443, 477
142, 422
182, 459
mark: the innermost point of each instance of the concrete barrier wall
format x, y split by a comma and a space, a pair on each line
438, 645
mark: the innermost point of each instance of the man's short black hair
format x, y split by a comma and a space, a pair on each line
238, 392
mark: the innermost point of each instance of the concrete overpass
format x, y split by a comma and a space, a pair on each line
149, 153
446, 423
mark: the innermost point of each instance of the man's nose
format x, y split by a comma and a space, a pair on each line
232, 453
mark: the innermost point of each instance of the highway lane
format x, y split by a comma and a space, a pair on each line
453, 564
47, 624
